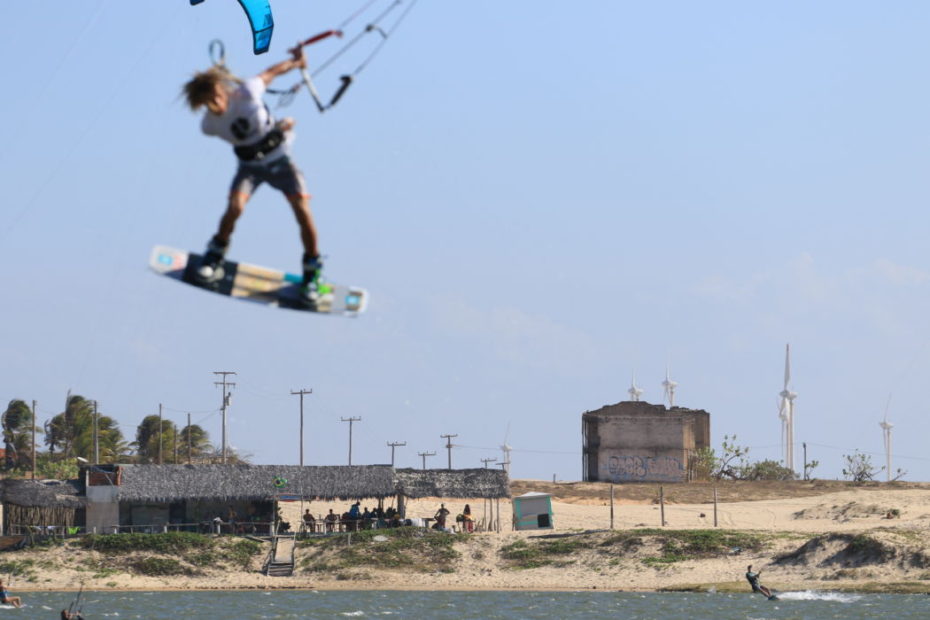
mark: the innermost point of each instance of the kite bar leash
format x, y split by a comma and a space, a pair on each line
296, 51
347, 79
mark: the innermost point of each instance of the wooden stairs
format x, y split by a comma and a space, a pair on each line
280, 562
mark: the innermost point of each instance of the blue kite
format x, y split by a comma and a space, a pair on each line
259, 14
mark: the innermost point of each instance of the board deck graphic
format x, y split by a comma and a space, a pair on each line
257, 284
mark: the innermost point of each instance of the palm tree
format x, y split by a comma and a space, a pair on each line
147, 438
17, 434
109, 440
200, 446
62, 430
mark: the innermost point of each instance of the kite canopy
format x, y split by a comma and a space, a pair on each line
261, 21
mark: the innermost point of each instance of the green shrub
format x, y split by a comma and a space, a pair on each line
157, 567
241, 552
171, 543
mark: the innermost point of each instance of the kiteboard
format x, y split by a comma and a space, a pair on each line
257, 284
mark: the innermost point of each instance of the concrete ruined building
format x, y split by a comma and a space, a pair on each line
639, 442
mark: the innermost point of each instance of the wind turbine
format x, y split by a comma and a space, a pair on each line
634, 391
506, 449
786, 413
886, 428
669, 386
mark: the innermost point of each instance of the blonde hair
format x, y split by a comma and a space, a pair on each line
199, 89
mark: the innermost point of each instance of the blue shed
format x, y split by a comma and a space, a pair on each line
533, 511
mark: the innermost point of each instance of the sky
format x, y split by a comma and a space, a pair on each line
542, 199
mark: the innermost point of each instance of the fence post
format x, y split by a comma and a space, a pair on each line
611, 506
662, 505
715, 506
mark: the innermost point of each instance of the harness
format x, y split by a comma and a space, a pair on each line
258, 150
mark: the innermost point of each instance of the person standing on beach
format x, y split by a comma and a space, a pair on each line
440, 516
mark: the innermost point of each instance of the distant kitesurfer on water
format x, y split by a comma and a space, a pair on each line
70, 615
753, 579
237, 114
6, 599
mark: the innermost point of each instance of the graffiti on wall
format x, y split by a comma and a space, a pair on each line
644, 469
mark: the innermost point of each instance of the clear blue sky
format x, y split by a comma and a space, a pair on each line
541, 197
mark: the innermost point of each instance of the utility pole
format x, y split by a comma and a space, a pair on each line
33, 440
188, 439
96, 438
301, 393
393, 445
226, 385
804, 445
423, 455
160, 434
448, 439
351, 421
486, 461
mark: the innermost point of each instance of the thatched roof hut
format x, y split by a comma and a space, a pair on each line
43, 493
41, 502
453, 483
169, 483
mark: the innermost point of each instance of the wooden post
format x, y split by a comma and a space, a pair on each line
611, 506
662, 505
715, 506
33, 440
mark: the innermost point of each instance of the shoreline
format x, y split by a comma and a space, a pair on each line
912, 588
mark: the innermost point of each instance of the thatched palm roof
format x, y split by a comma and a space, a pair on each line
458, 483
42, 493
167, 483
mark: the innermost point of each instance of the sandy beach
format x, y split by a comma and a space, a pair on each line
810, 539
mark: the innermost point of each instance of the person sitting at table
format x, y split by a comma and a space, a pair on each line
309, 521
366, 518
331, 520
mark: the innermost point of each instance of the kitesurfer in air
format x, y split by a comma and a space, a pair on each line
236, 113
753, 579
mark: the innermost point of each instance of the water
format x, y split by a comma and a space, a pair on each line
599, 605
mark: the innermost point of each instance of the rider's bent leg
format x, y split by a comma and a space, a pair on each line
234, 209
211, 268
312, 262
300, 204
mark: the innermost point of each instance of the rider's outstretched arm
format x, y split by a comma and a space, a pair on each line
281, 68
